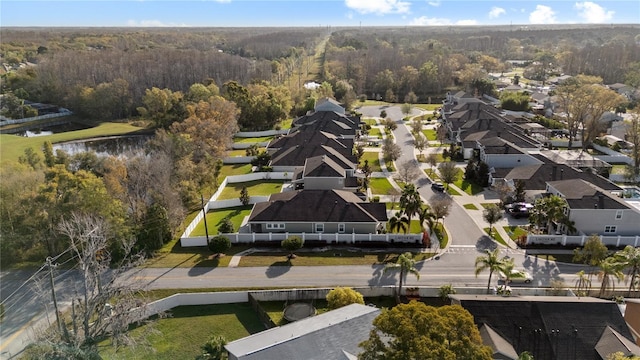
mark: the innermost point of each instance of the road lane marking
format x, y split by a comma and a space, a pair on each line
16, 334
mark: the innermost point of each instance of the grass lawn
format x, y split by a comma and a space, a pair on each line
252, 139
428, 107
181, 335
432, 174
374, 161
234, 169
496, 236
375, 132
380, 186
256, 187
618, 169
12, 146
242, 152
370, 121
331, 257
430, 134
374, 103
392, 205
193, 257
452, 191
486, 205
215, 217
470, 207
442, 235
414, 228
286, 124
469, 188
515, 232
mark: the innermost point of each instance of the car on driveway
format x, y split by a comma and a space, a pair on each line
517, 277
437, 186
519, 209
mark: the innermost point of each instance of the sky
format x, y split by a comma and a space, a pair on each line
257, 13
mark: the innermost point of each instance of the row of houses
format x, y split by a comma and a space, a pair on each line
319, 152
505, 144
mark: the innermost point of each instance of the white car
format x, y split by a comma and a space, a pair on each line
517, 276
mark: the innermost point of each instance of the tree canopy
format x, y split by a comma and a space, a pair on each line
418, 331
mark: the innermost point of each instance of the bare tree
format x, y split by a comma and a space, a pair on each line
408, 171
633, 136
448, 172
440, 207
105, 301
420, 143
432, 160
390, 149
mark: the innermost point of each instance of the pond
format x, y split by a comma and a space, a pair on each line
124, 145
34, 131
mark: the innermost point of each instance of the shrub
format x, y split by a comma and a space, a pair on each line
343, 296
291, 244
226, 227
219, 244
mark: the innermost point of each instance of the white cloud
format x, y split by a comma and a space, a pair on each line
152, 23
496, 11
592, 12
542, 15
427, 21
378, 6
434, 3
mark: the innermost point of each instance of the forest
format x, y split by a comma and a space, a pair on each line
193, 88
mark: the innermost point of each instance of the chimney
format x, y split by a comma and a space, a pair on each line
601, 201
554, 172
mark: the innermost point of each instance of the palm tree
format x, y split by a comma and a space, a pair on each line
490, 261
410, 200
609, 268
507, 269
583, 283
214, 349
549, 210
425, 214
405, 264
630, 258
399, 222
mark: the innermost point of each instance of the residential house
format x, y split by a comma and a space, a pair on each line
595, 210
317, 211
549, 327
536, 176
333, 335
322, 173
329, 104
576, 158
293, 158
624, 90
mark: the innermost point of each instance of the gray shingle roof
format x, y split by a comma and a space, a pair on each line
332, 335
550, 327
317, 206
323, 166
581, 194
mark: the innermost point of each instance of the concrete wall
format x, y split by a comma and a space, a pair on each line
250, 134
250, 238
230, 297
618, 241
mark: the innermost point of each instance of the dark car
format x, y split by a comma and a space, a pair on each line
518, 210
437, 186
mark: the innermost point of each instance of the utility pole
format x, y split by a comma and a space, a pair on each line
204, 217
53, 294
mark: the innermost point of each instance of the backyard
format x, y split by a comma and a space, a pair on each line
215, 217
255, 188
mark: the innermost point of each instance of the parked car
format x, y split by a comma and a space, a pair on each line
518, 210
517, 276
437, 186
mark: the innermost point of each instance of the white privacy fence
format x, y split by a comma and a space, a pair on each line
329, 238
214, 203
565, 240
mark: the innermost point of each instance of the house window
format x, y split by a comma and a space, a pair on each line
610, 229
341, 228
618, 214
319, 228
275, 226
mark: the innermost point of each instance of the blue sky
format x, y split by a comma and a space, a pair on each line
213, 13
